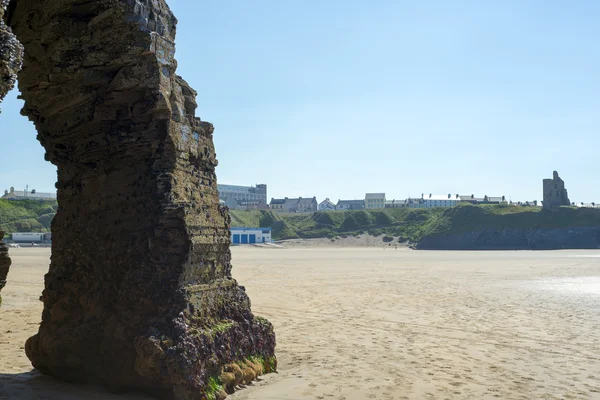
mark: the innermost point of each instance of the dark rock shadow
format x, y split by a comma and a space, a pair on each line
35, 386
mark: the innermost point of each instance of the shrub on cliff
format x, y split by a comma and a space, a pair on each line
383, 218
46, 219
23, 215
281, 230
357, 219
28, 225
267, 219
330, 218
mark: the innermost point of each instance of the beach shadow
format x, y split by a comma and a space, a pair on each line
33, 385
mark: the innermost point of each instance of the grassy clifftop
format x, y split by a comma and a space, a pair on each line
408, 224
467, 218
26, 215
414, 224
405, 223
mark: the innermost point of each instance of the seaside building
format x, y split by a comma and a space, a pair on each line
470, 198
396, 203
494, 200
587, 205
26, 194
415, 202
440, 200
242, 235
345, 205
243, 197
483, 200
296, 205
30, 237
326, 205
374, 201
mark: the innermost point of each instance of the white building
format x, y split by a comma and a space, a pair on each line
396, 203
374, 200
243, 197
344, 205
241, 235
27, 195
28, 237
326, 205
440, 200
415, 202
588, 205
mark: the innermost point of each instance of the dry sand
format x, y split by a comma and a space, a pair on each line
364, 323
364, 240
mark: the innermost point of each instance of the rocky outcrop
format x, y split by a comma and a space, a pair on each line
4, 264
515, 239
11, 55
139, 293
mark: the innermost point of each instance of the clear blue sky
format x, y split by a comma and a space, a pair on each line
341, 97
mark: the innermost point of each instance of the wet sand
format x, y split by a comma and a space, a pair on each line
370, 323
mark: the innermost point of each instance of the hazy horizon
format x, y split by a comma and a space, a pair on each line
346, 97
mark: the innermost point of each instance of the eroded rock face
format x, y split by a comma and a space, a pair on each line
11, 53
4, 263
139, 292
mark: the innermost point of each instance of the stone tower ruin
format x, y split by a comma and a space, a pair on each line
555, 194
139, 293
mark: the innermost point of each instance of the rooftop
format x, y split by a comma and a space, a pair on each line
30, 195
439, 197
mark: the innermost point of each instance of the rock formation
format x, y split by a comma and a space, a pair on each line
4, 264
139, 293
11, 53
555, 194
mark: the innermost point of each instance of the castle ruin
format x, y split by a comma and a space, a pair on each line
555, 194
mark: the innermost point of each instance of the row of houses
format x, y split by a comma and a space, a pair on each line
374, 201
586, 205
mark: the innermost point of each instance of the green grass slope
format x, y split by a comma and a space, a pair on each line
404, 223
466, 218
407, 223
26, 215
413, 224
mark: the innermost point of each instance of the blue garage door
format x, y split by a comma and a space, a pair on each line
244, 239
252, 239
236, 239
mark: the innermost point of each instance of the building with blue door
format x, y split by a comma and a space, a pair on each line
241, 235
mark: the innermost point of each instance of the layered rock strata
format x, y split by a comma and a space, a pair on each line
139, 293
11, 54
4, 264
573, 237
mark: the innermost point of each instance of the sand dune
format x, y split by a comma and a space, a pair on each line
373, 324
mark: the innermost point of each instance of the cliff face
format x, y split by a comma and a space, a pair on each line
587, 237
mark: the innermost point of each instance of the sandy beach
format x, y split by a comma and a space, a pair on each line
369, 323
